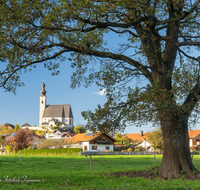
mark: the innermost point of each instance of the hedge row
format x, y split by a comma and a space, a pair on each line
56, 151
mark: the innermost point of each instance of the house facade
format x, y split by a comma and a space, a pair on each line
140, 139
92, 142
50, 115
194, 139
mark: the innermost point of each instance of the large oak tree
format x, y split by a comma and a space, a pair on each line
150, 76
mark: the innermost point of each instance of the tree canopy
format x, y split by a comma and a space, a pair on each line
151, 75
155, 138
122, 139
79, 129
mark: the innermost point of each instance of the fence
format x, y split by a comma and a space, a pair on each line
116, 153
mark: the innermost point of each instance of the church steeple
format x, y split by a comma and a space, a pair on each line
43, 91
43, 100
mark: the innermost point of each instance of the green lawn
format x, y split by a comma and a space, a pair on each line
73, 172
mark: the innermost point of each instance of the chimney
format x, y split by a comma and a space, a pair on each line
141, 133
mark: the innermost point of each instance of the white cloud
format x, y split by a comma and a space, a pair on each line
101, 92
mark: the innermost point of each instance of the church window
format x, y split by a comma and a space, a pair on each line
42, 102
70, 121
66, 120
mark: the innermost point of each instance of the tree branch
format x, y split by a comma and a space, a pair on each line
113, 56
196, 59
188, 44
191, 100
28, 64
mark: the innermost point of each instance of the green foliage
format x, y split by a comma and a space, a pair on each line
6, 130
155, 138
130, 150
53, 128
140, 148
16, 128
39, 132
56, 151
8, 149
57, 124
2, 138
79, 129
122, 139
47, 143
43, 127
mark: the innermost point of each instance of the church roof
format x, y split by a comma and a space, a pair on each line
58, 111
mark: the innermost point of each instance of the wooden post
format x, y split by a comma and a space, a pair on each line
20, 156
154, 158
91, 162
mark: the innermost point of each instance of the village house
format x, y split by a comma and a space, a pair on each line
59, 134
140, 140
194, 139
92, 142
8, 126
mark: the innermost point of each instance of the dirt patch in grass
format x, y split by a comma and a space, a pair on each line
152, 174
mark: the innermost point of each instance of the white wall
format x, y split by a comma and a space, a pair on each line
191, 142
85, 144
100, 147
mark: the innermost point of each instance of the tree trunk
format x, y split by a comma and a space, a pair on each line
176, 153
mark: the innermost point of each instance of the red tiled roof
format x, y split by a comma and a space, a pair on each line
193, 133
136, 137
70, 134
82, 137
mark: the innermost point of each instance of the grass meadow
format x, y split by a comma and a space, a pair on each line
73, 172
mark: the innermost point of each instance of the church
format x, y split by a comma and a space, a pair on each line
50, 115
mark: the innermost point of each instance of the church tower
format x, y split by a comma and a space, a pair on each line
42, 103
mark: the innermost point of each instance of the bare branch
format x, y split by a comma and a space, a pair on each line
188, 44
196, 59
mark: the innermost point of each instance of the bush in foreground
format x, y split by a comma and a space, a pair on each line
57, 151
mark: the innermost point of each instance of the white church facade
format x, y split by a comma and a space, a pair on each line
50, 115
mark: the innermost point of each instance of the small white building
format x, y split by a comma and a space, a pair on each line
59, 134
92, 142
140, 139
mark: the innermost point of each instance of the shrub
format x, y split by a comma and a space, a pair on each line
56, 151
140, 148
8, 149
137, 150
53, 128
124, 150
47, 143
130, 150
